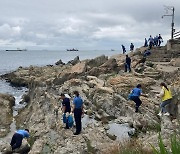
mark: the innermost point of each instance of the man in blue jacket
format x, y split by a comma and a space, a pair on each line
17, 138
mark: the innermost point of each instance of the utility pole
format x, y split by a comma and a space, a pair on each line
172, 15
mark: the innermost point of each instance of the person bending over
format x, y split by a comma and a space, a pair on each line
17, 138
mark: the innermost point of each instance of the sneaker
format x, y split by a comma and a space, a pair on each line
76, 133
160, 114
166, 114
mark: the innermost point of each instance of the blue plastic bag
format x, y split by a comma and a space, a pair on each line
64, 118
70, 121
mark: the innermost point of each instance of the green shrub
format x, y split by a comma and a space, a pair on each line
175, 146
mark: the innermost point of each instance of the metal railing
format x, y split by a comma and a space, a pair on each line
176, 35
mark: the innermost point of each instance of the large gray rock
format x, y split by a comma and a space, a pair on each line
59, 62
74, 61
5, 148
6, 103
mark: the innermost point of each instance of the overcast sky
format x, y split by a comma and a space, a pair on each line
83, 24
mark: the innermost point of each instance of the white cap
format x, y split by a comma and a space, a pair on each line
67, 96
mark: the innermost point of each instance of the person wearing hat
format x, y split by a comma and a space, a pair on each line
66, 108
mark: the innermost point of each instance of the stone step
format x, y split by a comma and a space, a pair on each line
153, 76
155, 55
151, 73
158, 59
160, 63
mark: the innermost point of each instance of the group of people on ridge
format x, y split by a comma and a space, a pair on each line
153, 41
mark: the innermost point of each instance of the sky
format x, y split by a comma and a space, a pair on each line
83, 24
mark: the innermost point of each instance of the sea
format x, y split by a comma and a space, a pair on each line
11, 60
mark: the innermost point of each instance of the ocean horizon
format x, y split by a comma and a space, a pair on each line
11, 60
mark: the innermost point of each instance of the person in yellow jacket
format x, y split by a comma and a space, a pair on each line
166, 97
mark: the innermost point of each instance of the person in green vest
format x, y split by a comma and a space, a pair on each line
166, 97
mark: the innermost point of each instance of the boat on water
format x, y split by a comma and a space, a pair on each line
73, 49
16, 49
112, 50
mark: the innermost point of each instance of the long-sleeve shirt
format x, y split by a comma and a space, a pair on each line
24, 133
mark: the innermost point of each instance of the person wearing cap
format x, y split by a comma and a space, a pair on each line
66, 108
77, 110
17, 138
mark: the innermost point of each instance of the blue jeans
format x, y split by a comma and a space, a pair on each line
163, 105
127, 67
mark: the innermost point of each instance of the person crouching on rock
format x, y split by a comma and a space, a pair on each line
136, 93
166, 96
66, 108
17, 138
78, 111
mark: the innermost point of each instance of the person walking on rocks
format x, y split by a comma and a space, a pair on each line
124, 49
166, 97
128, 64
135, 94
66, 108
17, 138
78, 111
160, 40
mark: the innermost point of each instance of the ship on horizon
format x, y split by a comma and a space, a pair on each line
73, 49
18, 49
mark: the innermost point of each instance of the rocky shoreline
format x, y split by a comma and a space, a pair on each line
104, 88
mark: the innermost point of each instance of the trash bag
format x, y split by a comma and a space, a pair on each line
64, 118
70, 121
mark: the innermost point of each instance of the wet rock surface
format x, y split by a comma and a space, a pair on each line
6, 116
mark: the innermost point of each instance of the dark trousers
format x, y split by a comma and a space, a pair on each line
150, 45
16, 141
77, 117
127, 66
137, 101
159, 42
67, 122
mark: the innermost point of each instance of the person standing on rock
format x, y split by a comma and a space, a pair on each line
131, 47
166, 97
135, 94
145, 43
128, 64
78, 111
66, 108
151, 42
124, 49
17, 138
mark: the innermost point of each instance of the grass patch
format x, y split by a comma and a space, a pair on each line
128, 147
175, 146
154, 127
90, 149
31, 139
